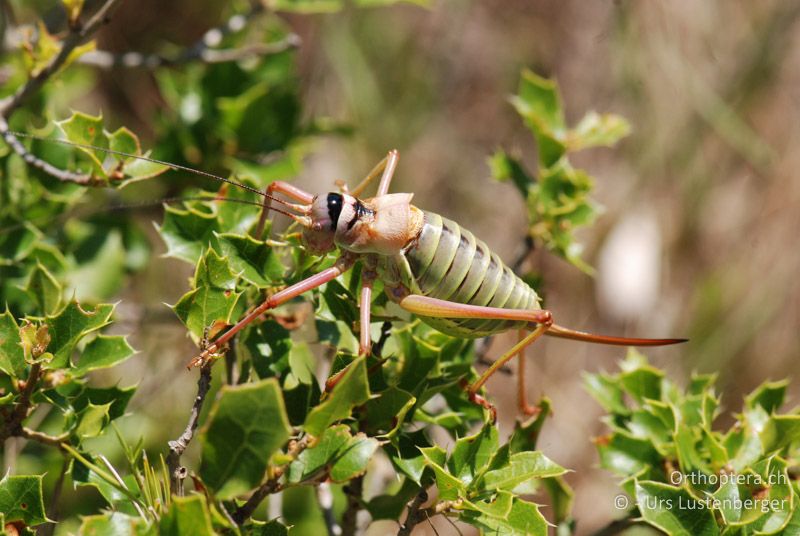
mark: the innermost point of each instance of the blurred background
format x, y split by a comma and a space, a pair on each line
698, 237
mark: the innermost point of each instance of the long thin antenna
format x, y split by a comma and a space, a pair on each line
140, 157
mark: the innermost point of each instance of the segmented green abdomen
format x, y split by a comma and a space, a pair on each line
447, 262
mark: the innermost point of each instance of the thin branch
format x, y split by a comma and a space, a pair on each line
273, 483
325, 499
78, 35
104, 59
354, 491
36, 162
46, 439
52, 509
177, 473
414, 515
13, 424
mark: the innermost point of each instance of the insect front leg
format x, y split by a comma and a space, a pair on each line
425, 306
343, 263
287, 189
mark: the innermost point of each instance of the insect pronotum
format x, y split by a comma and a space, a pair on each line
429, 265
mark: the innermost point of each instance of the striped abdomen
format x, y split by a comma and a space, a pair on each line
447, 262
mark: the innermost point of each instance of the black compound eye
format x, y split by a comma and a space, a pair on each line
334, 208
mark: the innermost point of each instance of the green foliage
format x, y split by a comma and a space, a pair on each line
274, 425
247, 424
557, 194
686, 476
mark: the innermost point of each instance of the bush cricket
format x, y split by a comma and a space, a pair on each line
430, 266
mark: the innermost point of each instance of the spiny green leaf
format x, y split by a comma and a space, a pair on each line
625, 454
86, 129
186, 232
44, 289
505, 167
673, 510
12, 357
214, 297
471, 454
386, 411
313, 460
92, 420
253, 260
768, 395
526, 433
780, 432
597, 130
607, 391
118, 397
450, 488
247, 424
351, 390
21, 499
187, 515
523, 466
69, 326
103, 352
354, 458
115, 524
524, 519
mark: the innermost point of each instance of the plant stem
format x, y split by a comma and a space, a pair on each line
177, 473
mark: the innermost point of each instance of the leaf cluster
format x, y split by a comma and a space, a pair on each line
557, 194
687, 476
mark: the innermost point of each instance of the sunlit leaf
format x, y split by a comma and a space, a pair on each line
351, 390
21, 499
247, 424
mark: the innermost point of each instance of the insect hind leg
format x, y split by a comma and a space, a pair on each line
426, 306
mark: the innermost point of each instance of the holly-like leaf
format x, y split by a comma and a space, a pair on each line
92, 420
313, 460
12, 357
387, 411
115, 524
523, 519
103, 352
214, 297
187, 515
44, 289
596, 130
505, 167
673, 510
187, 232
522, 467
253, 260
353, 461
472, 453
450, 488
69, 326
768, 395
86, 129
351, 390
247, 424
625, 454
21, 499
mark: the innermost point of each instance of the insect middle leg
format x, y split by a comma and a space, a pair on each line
342, 264
426, 306
368, 276
385, 169
287, 189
